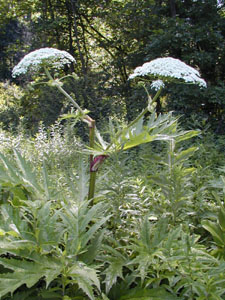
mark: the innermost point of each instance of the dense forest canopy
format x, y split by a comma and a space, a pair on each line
108, 40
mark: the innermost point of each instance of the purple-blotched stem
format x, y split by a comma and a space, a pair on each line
91, 191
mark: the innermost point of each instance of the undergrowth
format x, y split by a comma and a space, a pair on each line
155, 231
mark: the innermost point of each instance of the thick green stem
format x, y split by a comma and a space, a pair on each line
145, 110
91, 191
70, 98
57, 84
92, 173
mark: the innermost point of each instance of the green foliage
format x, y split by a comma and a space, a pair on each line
160, 256
10, 105
45, 107
145, 235
217, 229
174, 179
45, 239
11, 37
17, 109
156, 128
153, 294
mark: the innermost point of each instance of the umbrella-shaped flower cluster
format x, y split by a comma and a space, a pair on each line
169, 69
48, 57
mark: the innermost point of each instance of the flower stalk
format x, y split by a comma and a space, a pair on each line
91, 125
56, 83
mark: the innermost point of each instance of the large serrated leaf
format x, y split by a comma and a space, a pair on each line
9, 282
92, 250
187, 135
89, 234
137, 140
48, 188
28, 175
12, 173
185, 154
27, 272
145, 233
100, 139
85, 277
114, 271
11, 221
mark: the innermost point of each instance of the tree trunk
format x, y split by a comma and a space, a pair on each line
172, 8
73, 5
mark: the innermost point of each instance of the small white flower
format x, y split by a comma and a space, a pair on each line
35, 60
157, 85
168, 69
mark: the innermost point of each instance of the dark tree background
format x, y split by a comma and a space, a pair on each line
108, 39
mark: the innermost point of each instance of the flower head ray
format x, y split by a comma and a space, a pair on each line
169, 69
48, 57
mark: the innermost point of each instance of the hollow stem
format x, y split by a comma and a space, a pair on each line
91, 191
145, 110
63, 91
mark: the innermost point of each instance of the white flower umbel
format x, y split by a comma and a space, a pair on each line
44, 57
157, 85
169, 69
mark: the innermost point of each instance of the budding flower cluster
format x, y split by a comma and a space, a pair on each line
157, 85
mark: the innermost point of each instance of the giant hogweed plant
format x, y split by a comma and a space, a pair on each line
160, 127
53, 243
